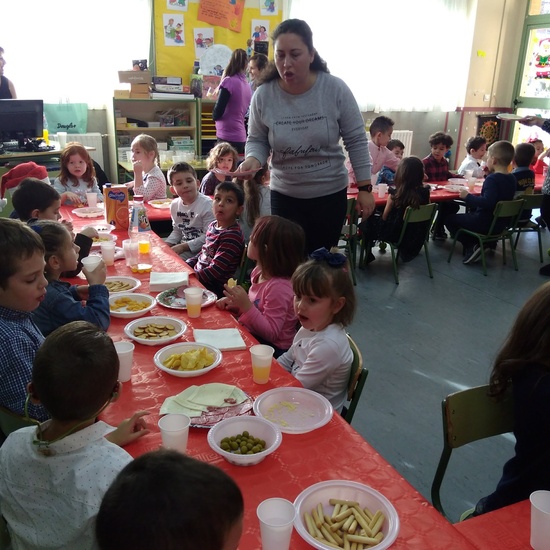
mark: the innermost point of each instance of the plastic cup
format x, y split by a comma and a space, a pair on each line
540, 520
468, 174
193, 301
125, 352
174, 431
471, 184
91, 262
108, 252
262, 357
91, 199
382, 190
144, 243
130, 252
62, 139
128, 156
276, 517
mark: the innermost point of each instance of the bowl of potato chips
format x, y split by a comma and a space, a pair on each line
129, 305
155, 330
187, 359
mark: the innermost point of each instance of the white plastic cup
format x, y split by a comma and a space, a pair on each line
468, 174
108, 252
91, 199
382, 190
471, 184
130, 252
91, 262
62, 139
125, 352
174, 431
193, 301
261, 357
540, 520
276, 517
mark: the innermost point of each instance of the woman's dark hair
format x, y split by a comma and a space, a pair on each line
237, 63
409, 178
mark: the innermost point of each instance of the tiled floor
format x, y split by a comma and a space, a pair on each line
425, 338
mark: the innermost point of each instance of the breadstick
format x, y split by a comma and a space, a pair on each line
376, 523
335, 501
363, 540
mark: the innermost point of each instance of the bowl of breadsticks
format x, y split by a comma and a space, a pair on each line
338, 513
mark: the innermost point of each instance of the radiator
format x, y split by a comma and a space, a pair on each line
93, 139
406, 136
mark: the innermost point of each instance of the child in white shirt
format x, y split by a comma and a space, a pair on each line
476, 147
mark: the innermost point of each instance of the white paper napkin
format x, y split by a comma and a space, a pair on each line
164, 281
224, 338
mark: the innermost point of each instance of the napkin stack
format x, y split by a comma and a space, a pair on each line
197, 399
225, 339
164, 281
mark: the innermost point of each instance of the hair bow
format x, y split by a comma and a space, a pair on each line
334, 259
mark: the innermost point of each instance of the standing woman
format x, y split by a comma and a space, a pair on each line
7, 89
300, 112
233, 102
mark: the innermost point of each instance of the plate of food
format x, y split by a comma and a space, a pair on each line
509, 116
89, 212
156, 330
103, 238
121, 284
161, 203
375, 515
187, 359
294, 410
174, 298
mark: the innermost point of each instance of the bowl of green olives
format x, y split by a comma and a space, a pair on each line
244, 440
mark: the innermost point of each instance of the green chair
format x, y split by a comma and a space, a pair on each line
9, 422
357, 378
510, 210
421, 215
245, 266
530, 202
348, 237
470, 415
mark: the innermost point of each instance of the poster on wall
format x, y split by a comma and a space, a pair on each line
269, 7
173, 29
259, 31
222, 13
180, 5
204, 39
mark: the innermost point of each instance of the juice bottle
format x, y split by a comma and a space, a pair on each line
116, 205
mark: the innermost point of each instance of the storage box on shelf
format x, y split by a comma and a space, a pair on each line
208, 127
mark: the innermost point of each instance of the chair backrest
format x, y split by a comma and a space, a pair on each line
425, 213
506, 209
470, 415
532, 201
357, 378
9, 421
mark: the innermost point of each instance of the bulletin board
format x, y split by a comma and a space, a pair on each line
176, 24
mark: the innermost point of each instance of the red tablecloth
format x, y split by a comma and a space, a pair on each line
508, 527
335, 451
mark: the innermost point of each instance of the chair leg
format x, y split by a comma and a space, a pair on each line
351, 263
428, 259
540, 245
394, 263
504, 250
483, 262
451, 252
513, 250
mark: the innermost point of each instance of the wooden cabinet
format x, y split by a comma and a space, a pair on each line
208, 127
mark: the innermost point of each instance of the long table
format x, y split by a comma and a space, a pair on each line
335, 451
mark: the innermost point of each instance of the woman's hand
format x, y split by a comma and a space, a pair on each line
129, 430
249, 164
365, 203
532, 121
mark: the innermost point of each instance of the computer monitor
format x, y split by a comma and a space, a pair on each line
21, 119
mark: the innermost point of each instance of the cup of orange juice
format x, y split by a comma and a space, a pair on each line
193, 301
261, 356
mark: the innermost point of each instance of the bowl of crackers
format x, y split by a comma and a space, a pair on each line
129, 305
155, 331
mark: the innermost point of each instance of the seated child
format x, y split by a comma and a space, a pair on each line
410, 191
380, 135
387, 174
525, 176
320, 356
34, 199
538, 164
277, 246
191, 211
224, 157
54, 475
77, 169
499, 185
436, 165
221, 254
63, 301
149, 180
184, 493
476, 147
22, 288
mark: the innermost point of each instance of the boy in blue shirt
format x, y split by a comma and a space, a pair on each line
525, 176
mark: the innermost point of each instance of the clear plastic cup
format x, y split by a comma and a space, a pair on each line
108, 252
125, 352
276, 517
174, 431
91, 262
261, 357
540, 520
193, 301
91, 199
382, 190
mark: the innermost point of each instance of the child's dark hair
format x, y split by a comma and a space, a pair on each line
19, 242
316, 277
503, 151
33, 194
260, 59
393, 143
181, 167
280, 244
196, 505
53, 235
440, 138
409, 178
228, 187
74, 148
75, 371
381, 124
475, 143
221, 150
524, 154
252, 194
237, 63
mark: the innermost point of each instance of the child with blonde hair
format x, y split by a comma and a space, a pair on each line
149, 180
77, 175
224, 157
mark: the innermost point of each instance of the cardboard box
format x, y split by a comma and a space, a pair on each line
121, 120
121, 94
134, 95
134, 77
167, 80
139, 88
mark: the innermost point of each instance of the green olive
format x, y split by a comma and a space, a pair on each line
243, 443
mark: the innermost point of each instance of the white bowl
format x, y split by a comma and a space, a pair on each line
127, 314
135, 284
102, 228
180, 328
458, 181
346, 490
164, 353
257, 427
103, 237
